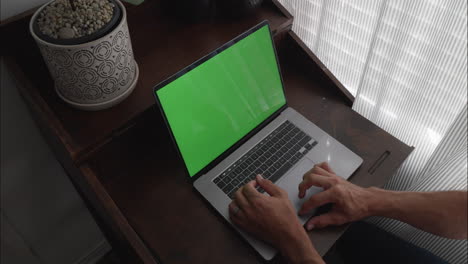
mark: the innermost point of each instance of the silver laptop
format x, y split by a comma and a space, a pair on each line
229, 119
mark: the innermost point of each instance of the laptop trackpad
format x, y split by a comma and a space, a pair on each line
290, 183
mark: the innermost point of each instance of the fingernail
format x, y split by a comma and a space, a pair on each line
259, 177
310, 226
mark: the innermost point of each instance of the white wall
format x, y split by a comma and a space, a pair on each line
43, 220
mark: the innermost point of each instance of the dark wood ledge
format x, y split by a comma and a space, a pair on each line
142, 173
162, 46
121, 160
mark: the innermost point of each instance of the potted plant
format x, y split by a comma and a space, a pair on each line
87, 48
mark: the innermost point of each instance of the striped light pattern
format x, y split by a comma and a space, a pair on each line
406, 63
445, 170
340, 33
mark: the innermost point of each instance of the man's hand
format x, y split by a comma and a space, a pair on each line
272, 219
441, 213
350, 202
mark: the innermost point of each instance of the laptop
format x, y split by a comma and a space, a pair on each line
229, 119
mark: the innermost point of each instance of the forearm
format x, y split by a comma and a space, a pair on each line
440, 213
299, 249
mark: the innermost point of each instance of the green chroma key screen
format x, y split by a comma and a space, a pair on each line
214, 105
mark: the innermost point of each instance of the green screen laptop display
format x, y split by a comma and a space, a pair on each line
214, 105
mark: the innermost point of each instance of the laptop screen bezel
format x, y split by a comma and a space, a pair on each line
192, 66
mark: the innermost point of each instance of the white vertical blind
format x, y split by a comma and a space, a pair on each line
445, 170
406, 63
339, 33
415, 83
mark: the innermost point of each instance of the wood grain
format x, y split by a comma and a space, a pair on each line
162, 46
142, 173
121, 160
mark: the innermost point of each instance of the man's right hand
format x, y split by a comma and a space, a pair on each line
350, 202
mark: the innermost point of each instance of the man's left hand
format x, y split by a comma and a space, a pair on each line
272, 219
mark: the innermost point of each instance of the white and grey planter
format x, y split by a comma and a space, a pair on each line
94, 75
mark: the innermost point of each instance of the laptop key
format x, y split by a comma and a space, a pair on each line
262, 159
223, 175
231, 176
272, 169
296, 130
257, 163
280, 172
232, 194
298, 137
228, 188
292, 151
221, 184
216, 180
275, 157
235, 182
304, 141
242, 176
294, 159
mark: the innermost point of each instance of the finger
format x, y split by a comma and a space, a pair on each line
325, 220
317, 200
240, 199
268, 186
318, 169
326, 166
236, 215
249, 190
313, 180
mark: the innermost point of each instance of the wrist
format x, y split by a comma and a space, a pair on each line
378, 201
299, 249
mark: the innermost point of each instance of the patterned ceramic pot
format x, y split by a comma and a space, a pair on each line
94, 75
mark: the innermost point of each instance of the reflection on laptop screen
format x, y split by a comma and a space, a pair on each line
214, 105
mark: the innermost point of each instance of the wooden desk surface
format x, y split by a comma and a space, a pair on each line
143, 175
162, 46
123, 164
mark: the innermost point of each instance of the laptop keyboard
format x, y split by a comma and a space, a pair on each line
272, 158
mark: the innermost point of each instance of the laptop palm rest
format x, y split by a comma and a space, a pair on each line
290, 183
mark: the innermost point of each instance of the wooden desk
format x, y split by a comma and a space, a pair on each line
121, 160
